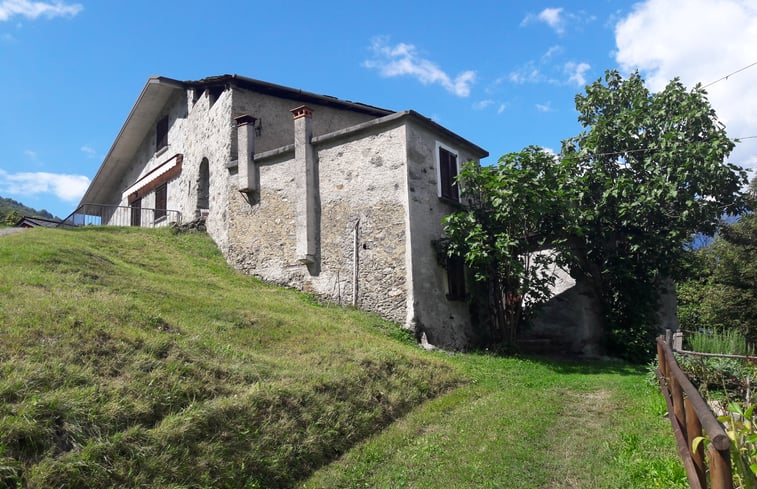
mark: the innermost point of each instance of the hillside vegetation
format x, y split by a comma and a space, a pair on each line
135, 358
10, 206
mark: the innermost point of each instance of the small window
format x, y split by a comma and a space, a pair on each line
136, 213
455, 278
161, 198
447, 175
161, 134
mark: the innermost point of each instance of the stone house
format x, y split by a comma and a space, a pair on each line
336, 198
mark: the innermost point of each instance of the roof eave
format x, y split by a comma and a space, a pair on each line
151, 100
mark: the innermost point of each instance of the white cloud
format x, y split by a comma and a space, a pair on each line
32, 10
550, 16
528, 73
576, 72
501, 108
698, 41
545, 107
66, 187
89, 151
403, 59
482, 104
554, 50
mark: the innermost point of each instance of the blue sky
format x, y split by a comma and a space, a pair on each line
502, 74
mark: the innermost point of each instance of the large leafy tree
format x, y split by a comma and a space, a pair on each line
647, 172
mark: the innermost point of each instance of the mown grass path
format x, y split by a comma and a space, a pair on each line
523, 424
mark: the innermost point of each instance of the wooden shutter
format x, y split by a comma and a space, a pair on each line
161, 134
136, 213
447, 174
161, 198
455, 278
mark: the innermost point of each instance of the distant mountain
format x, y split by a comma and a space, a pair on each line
9, 205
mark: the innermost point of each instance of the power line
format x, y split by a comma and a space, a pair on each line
730, 74
650, 150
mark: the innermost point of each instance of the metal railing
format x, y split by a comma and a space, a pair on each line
118, 215
691, 417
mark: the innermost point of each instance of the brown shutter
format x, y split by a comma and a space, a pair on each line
447, 174
161, 134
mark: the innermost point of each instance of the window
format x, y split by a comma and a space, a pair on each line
161, 134
161, 197
136, 213
455, 278
447, 174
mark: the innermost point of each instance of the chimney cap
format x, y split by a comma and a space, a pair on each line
243, 119
302, 111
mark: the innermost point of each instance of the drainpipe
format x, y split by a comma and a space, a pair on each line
355, 262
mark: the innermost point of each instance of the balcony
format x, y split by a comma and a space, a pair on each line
117, 215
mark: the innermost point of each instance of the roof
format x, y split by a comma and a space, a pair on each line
260, 86
34, 222
157, 92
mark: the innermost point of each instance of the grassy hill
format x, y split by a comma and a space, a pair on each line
137, 358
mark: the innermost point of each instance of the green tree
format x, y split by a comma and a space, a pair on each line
648, 172
513, 211
13, 217
721, 292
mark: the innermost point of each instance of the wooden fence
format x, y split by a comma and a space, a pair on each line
691, 416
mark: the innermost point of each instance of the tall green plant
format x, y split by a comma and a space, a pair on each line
721, 341
514, 210
741, 427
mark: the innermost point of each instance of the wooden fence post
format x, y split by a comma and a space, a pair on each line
678, 409
720, 468
693, 430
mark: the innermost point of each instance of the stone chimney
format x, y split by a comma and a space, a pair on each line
305, 179
247, 173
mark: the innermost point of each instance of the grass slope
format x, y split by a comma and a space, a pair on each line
133, 358
137, 358
523, 423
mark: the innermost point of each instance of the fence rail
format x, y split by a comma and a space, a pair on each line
691, 417
118, 215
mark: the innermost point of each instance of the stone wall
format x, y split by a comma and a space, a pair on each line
274, 119
446, 322
361, 180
